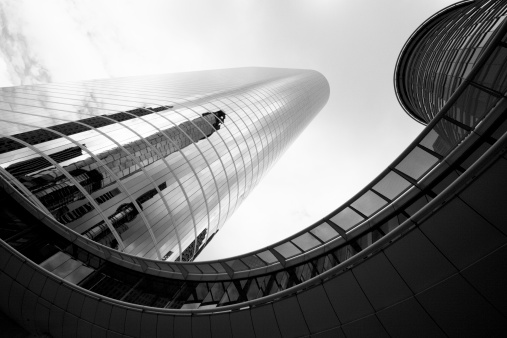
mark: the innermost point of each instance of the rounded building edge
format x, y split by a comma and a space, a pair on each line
406, 53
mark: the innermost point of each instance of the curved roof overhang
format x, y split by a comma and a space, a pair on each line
405, 55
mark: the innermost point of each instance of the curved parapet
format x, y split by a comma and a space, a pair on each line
420, 251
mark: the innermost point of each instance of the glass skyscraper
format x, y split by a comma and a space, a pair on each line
152, 166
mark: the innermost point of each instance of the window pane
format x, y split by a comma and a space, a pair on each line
253, 261
237, 265
391, 185
493, 74
369, 203
267, 257
306, 241
443, 137
346, 218
218, 267
471, 106
324, 232
417, 163
287, 250
206, 268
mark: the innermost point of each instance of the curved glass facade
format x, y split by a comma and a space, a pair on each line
441, 53
153, 166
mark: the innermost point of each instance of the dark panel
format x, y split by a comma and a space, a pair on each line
5, 288
460, 311
491, 184
37, 282
49, 290
28, 310
241, 324
290, 318
75, 303
133, 322
380, 282
84, 328
99, 332
112, 334
15, 300
4, 258
366, 327
62, 296
201, 326
264, 322
102, 314
88, 311
408, 319
489, 277
42, 317
220, 326
117, 320
461, 234
165, 326
317, 309
182, 327
418, 261
24, 275
149, 324
347, 298
69, 325
334, 333
56, 321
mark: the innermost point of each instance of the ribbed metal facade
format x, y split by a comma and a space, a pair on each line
441, 53
152, 165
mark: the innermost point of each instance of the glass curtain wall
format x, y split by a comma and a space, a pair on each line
152, 165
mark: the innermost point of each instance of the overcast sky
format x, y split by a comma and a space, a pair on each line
354, 43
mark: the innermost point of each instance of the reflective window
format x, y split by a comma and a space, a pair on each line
391, 185
368, 203
287, 249
324, 232
346, 218
306, 241
416, 163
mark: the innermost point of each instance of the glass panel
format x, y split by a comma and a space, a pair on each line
324, 232
369, 203
218, 267
471, 106
391, 185
417, 163
253, 261
346, 218
66, 268
306, 241
443, 137
79, 274
206, 268
343, 253
55, 261
191, 268
287, 249
494, 73
267, 257
237, 265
